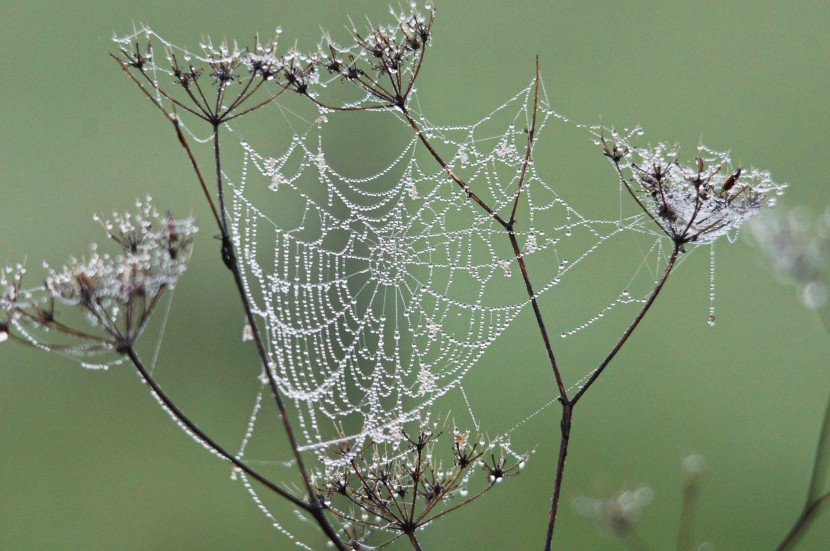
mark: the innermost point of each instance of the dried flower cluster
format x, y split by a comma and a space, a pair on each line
394, 51
117, 293
694, 203
400, 494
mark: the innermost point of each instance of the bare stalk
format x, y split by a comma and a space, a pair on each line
315, 511
816, 500
414, 541
216, 117
803, 521
646, 306
230, 259
568, 405
146, 376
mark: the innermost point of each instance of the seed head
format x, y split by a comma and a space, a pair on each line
695, 202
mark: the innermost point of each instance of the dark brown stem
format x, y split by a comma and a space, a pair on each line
313, 507
203, 437
461, 183
414, 541
816, 500
529, 149
568, 405
598, 371
563, 394
230, 259
219, 190
565, 427
803, 521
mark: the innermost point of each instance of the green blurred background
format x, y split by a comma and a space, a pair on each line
87, 460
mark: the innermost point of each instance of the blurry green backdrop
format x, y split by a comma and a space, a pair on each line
87, 460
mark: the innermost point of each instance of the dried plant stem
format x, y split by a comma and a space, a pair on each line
803, 521
414, 541
568, 405
129, 351
816, 500
314, 507
646, 306
315, 512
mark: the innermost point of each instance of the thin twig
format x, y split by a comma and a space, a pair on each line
203, 437
531, 132
568, 405
646, 306
816, 500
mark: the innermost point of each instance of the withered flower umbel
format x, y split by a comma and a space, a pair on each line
696, 203
402, 491
116, 293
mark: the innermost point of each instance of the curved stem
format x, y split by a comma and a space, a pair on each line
315, 507
649, 301
568, 405
803, 521
815, 499
207, 440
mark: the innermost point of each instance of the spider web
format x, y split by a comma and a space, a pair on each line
379, 293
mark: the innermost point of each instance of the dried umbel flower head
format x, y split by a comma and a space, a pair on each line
217, 84
384, 61
116, 293
696, 202
399, 489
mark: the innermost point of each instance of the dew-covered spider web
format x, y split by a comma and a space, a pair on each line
379, 293
379, 290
